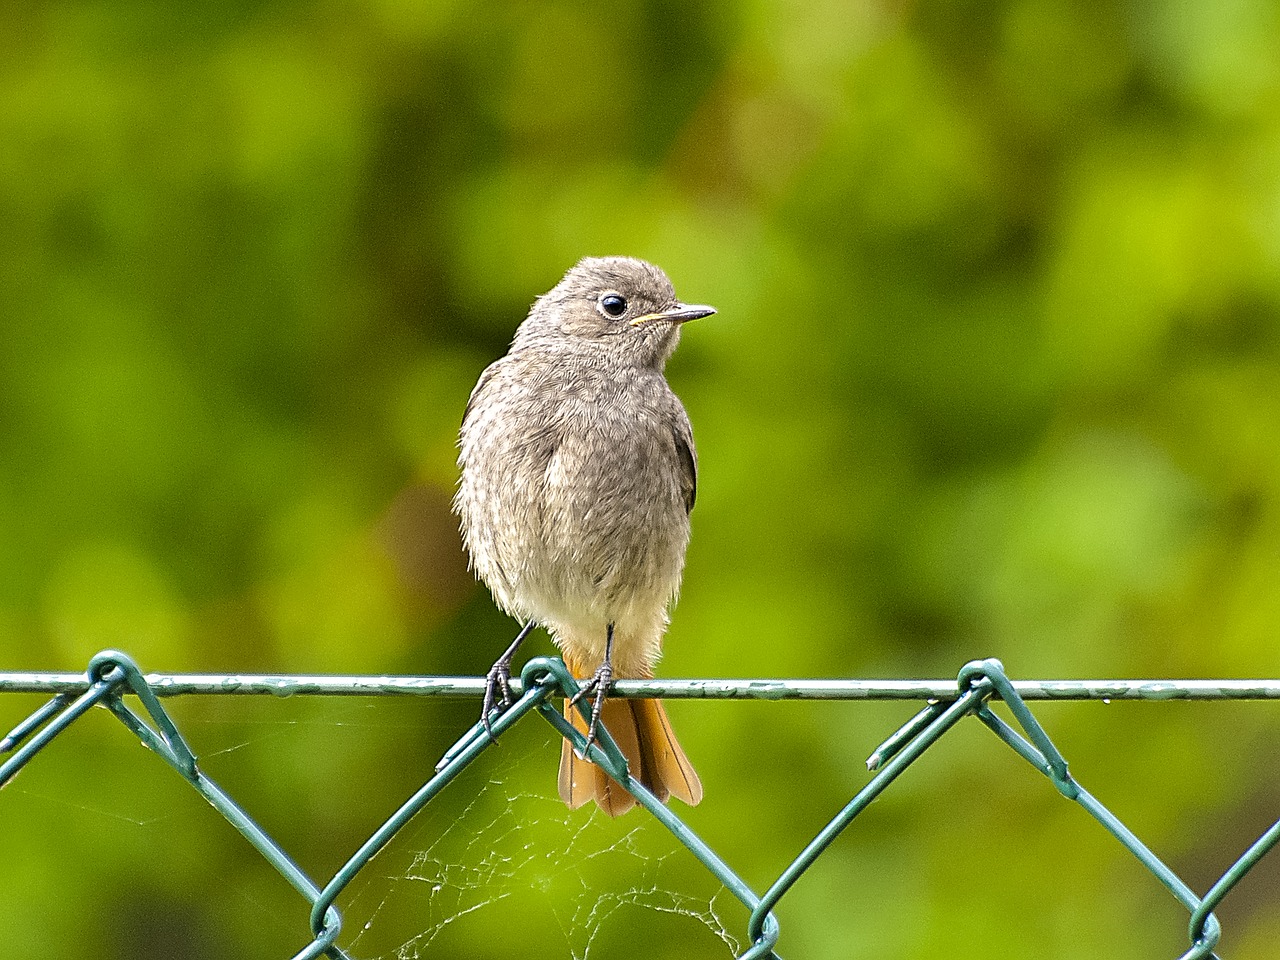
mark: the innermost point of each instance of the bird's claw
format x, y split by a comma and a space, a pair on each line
599, 686
496, 682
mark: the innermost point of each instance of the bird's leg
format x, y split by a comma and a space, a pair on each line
599, 684
498, 679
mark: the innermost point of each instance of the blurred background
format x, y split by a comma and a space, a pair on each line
996, 372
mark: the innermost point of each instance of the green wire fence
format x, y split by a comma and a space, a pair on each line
112, 676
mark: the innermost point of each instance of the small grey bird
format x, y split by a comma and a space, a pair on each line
578, 475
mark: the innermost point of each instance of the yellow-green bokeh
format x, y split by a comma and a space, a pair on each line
996, 372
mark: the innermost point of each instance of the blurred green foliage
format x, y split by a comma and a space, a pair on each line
996, 372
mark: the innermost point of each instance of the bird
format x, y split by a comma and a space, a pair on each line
578, 475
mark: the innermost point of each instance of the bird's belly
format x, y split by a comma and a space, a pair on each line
605, 563
583, 532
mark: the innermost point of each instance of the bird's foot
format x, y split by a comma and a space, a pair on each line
497, 683
497, 694
599, 686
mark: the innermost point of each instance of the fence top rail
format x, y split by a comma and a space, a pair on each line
286, 685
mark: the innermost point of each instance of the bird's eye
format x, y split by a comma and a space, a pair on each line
613, 305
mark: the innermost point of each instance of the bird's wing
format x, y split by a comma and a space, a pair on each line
688, 456
478, 389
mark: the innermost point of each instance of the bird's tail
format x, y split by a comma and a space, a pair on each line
643, 734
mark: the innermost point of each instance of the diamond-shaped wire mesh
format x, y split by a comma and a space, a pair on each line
112, 677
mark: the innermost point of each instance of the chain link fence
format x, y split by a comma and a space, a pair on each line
113, 677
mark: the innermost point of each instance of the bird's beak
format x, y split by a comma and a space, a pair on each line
680, 313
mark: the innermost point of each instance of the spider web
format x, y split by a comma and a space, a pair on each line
511, 865
495, 865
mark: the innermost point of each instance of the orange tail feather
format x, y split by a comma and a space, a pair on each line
654, 756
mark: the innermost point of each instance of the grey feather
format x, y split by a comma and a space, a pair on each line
578, 464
